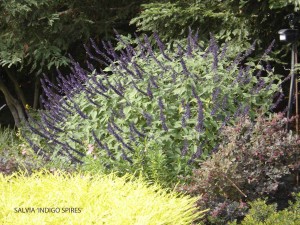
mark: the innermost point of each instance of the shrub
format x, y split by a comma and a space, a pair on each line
251, 162
94, 199
157, 112
263, 214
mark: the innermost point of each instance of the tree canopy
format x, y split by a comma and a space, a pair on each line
37, 35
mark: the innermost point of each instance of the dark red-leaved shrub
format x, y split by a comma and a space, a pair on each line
255, 159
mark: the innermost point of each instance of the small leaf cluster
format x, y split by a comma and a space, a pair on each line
262, 214
157, 111
252, 161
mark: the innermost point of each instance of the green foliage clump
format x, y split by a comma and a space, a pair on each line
15, 155
155, 112
262, 214
94, 199
251, 162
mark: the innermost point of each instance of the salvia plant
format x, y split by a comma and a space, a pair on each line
153, 109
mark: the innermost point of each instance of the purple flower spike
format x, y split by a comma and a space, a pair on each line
187, 111
133, 128
162, 116
185, 147
148, 118
161, 46
149, 92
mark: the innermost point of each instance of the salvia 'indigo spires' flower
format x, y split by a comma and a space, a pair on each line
269, 49
184, 68
95, 47
117, 136
195, 39
141, 135
197, 154
151, 53
239, 78
100, 53
258, 86
246, 110
223, 124
119, 85
64, 105
225, 102
115, 126
185, 147
102, 146
214, 50
215, 149
114, 89
199, 126
36, 149
54, 116
189, 49
173, 74
138, 70
91, 56
50, 124
142, 48
121, 113
73, 159
77, 108
149, 92
99, 84
130, 50
215, 94
139, 90
67, 146
241, 57
48, 82
125, 157
238, 112
200, 119
132, 134
153, 82
148, 118
224, 50
183, 121
110, 50
89, 98
90, 66
125, 67
75, 140
162, 116
38, 132
161, 46
279, 99
187, 110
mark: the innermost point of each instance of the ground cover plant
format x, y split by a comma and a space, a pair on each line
95, 199
155, 112
254, 160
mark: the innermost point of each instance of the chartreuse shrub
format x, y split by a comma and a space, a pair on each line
253, 161
156, 112
262, 214
61, 198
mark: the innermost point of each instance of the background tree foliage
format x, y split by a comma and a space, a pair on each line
242, 20
37, 34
